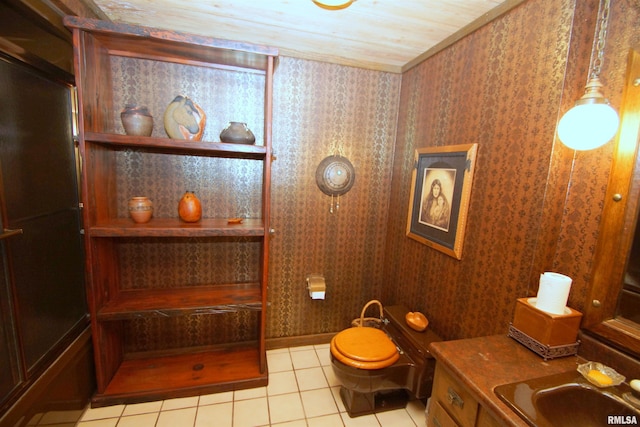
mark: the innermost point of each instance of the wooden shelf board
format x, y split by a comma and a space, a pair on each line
177, 146
157, 378
211, 299
174, 227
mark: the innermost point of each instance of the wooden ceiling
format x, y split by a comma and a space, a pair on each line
384, 35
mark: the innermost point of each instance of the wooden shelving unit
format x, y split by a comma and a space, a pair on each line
120, 294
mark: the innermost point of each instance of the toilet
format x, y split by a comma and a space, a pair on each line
380, 369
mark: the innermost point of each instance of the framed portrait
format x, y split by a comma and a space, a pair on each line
440, 192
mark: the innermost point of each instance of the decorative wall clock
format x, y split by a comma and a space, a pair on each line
335, 176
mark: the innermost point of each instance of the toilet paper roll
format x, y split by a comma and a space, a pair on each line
553, 292
316, 286
317, 294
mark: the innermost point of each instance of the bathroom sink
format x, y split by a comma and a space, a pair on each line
568, 400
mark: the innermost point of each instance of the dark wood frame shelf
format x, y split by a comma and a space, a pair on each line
219, 149
130, 376
210, 371
180, 301
173, 227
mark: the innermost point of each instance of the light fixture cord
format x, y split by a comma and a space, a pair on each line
597, 54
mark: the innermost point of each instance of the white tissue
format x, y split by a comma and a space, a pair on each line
553, 292
317, 295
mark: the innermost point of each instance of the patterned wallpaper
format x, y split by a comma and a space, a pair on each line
319, 110
534, 206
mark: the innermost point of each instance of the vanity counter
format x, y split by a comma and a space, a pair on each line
481, 364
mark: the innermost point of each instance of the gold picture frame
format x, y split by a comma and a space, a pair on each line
441, 184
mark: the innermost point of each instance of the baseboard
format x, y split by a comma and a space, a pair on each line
284, 342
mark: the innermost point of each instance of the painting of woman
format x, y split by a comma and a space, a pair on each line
435, 210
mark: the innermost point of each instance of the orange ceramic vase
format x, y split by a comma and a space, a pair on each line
140, 209
189, 207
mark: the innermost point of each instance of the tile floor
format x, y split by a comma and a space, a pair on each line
302, 391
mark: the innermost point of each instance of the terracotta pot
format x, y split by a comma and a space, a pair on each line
137, 120
237, 133
189, 207
140, 209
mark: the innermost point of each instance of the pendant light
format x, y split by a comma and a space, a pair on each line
333, 4
592, 122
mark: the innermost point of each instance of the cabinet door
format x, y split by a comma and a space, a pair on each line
454, 398
438, 417
39, 195
10, 372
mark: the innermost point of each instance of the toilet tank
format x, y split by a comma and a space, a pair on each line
415, 345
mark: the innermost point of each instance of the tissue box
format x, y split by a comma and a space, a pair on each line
546, 328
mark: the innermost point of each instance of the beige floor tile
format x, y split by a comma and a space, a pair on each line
177, 418
311, 379
304, 359
142, 408
141, 420
102, 413
318, 402
180, 403
211, 399
301, 384
282, 383
332, 380
397, 418
218, 415
250, 393
416, 408
279, 362
285, 407
105, 422
251, 413
333, 420
296, 423
335, 391
362, 421
324, 354
301, 348
61, 417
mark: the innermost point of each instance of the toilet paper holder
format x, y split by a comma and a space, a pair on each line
316, 286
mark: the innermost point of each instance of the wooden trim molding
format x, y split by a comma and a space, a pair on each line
285, 342
618, 223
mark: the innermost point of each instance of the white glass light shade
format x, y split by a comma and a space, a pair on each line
588, 126
333, 4
591, 123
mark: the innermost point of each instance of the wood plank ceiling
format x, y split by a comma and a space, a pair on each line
384, 35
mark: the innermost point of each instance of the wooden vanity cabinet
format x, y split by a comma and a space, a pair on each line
452, 405
177, 309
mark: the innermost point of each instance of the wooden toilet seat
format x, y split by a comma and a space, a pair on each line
364, 348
